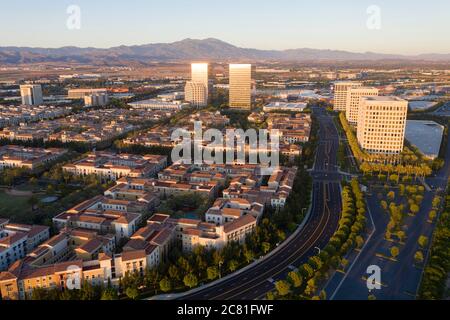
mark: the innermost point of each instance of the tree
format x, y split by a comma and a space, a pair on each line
265, 247
423, 242
108, 294
391, 195
233, 265
165, 285
395, 251
419, 257
283, 287
401, 235
174, 273
414, 208
295, 279
190, 280
132, 293
212, 273
432, 215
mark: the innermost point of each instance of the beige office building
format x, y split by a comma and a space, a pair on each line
340, 94
354, 97
196, 94
382, 124
200, 73
241, 86
81, 93
31, 94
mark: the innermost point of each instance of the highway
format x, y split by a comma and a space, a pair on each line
257, 281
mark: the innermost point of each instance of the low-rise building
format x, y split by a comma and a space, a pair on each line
29, 158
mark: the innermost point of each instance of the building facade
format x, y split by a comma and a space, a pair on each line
382, 124
354, 96
340, 94
241, 86
31, 94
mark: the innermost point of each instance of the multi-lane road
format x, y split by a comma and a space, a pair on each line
256, 281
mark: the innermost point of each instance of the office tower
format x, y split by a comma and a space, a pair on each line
241, 86
340, 94
382, 124
31, 94
354, 96
200, 73
196, 94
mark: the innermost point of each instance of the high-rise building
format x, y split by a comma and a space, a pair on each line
241, 86
200, 73
382, 124
31, 94
196, 94
340, 94
197, 90
354, 96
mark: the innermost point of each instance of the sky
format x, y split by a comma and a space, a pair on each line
395, 26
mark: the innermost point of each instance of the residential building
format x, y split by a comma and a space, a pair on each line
110, 166
29, 158
96, 100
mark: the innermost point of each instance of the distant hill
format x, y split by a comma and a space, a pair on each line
190, 49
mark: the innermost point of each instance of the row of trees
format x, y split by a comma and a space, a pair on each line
408, 164
305, 283
436, 273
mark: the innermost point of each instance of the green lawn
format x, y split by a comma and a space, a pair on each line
15, 208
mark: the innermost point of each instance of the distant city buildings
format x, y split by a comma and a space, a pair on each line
286, 106
96, 100
381, 124
240, 86
81, 93
31, 94
159, 104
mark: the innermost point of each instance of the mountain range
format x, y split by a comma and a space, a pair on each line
191, 49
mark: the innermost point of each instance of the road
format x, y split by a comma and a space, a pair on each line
257, 281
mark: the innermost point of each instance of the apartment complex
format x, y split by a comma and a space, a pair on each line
31, 94
111, 166
240, 86
29, 158
354, 97
341, 92
382, 124
16, 240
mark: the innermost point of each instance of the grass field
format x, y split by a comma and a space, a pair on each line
15, 208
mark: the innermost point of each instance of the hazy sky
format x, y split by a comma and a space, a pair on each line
407, 26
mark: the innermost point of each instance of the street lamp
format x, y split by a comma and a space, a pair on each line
220, 268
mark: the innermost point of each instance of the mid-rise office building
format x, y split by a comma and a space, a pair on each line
382, 124
354, 97
241, 86
340, 94
196, 94
96, 100
200, 73
31, 94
